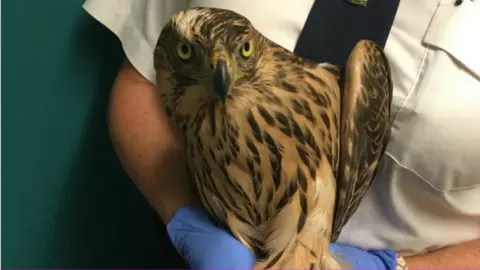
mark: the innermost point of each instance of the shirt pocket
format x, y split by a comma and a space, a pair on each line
436, 132
455, 29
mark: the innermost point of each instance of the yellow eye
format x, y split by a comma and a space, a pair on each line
247, 48
184, 50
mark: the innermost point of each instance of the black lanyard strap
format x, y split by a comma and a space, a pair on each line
333, 27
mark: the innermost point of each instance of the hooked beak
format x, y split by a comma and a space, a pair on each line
221, 74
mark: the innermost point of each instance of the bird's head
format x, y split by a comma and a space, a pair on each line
202, 54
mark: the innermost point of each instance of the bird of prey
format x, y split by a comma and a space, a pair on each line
280, 154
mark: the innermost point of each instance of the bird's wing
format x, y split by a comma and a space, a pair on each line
365, 127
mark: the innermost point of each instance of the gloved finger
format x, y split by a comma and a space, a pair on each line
205, 245
219, 251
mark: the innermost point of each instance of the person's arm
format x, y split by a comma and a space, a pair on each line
145, 144
461, 256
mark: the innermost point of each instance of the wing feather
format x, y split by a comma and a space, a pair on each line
365, 127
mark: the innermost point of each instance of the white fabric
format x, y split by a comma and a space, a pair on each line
427, 194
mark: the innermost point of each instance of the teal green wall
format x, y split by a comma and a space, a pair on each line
65, 200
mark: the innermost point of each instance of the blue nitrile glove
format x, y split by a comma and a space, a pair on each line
357, 258
204, 245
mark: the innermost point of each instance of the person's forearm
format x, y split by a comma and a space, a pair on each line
145, 143
462, 256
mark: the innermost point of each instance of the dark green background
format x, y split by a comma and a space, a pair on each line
66, 202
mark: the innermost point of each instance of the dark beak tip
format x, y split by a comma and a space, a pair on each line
222, 69
221, 78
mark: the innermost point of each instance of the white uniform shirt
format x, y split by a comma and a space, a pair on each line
427, 194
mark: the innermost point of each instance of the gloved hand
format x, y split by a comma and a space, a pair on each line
204, 245
355, 258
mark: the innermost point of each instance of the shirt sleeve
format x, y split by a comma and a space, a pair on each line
137, 24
